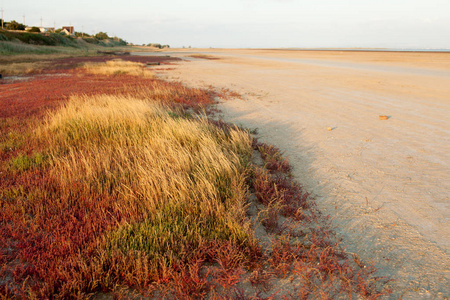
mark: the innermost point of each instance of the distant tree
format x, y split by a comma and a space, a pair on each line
101, 36
81, 34
34, 29
155, 45
13, 25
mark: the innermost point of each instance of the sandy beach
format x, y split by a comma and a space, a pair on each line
385, 183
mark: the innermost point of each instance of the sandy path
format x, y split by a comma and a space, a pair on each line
386, 184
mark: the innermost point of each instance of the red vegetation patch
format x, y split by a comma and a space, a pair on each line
27, 98
304, 247
274, 161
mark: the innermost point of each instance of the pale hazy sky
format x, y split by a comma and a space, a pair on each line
249, 23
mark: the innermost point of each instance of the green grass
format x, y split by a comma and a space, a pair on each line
24, 162
19, 48
11, 141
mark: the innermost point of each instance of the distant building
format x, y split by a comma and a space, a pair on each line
47, 29
68, 30
42, 29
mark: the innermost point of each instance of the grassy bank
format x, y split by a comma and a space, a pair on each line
27, 53
113, 185
15, 42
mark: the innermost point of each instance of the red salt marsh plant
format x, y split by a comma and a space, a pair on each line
304, 248
273, 159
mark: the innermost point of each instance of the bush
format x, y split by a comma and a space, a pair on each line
156, 45
101, 36
34, 29
13, 25
82, 34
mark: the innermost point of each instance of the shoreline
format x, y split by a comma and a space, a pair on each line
361, 50
382, 182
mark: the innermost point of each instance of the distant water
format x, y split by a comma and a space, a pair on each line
322, 49
368, 49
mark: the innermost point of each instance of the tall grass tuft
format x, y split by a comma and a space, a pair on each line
149, 156
23, 68
117, 66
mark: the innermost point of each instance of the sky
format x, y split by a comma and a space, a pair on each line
414, 24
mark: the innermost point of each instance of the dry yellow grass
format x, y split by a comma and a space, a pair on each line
23, 68
157, 90
166, 168
118, 66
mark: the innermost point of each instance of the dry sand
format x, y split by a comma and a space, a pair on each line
385, 183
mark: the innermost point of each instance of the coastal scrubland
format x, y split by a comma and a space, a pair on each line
115, 184
30, 52
17, 42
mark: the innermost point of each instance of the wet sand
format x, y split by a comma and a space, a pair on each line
385, 183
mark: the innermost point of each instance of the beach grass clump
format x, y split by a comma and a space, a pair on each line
23, 68
117, 67
124, 183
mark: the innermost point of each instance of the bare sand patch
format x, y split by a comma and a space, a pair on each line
385, 182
